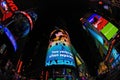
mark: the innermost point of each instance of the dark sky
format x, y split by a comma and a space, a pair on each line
53, 13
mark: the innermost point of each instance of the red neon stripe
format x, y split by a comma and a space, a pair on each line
29, 18
19, 68
18, 63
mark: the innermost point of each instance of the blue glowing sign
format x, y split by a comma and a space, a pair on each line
96, 36
11, 38
91, 18
59, 55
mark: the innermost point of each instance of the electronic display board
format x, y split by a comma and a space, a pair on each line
97, 21
109, 31
59, 50
59, 55
106, 28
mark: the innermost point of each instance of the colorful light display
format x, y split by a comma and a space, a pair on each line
59, 51
7, 7
105, 34
107, 29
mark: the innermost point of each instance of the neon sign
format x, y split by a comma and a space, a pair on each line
12, 6
28, 17
59, 62
11, 38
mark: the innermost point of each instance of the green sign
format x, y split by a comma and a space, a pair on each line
109, 31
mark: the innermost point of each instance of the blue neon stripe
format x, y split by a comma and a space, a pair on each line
1, 26
11, 38
95, 35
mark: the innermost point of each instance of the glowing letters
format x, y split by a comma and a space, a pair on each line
12, 6
59, 62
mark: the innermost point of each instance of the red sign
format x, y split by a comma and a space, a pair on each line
6, 16
100, 23
12, 6
7, 7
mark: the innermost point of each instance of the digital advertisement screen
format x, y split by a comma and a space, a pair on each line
97, 21
59, 55
109, 31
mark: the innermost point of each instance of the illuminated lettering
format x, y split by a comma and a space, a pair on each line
55, 51
64, 55
53, 55
53, 62
60, 62
12, 6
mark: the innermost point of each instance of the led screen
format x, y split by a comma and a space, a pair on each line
109, 31
97, 21
59, 54
103, 26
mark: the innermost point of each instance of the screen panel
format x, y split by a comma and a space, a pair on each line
106, 28
109, 31
97, 21
59, 55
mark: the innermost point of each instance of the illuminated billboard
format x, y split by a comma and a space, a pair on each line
59, 50
59, 55
109, 31
97, 21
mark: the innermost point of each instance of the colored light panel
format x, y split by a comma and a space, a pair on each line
91, 18
78, 61
97, 21
109, 31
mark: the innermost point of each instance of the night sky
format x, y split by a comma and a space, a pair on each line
63, 13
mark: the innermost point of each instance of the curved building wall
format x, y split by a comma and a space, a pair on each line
59, 50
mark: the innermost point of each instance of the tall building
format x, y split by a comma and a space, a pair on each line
62, 60
106, 36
